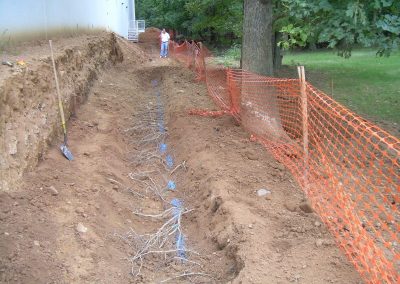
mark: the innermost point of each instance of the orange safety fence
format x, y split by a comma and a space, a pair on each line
348, 167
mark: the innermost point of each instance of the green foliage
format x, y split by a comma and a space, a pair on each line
215, 21
297, 36
230, 57
342, 24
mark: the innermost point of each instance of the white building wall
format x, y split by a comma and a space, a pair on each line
18, 16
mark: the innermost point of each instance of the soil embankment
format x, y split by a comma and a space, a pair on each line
29, 118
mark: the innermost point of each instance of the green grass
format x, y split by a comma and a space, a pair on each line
367, 84
228, 58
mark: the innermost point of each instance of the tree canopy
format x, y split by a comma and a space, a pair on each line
340, 24
215, 21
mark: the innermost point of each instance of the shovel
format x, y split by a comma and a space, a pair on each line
64, 149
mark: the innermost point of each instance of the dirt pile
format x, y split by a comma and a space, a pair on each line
29, 118
151, 35
245, 201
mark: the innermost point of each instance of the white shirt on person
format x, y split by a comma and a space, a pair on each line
165, 37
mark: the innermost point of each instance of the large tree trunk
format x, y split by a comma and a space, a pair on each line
257, 35
259, 109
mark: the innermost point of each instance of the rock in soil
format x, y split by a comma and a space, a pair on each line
53, 190
263, 192
306, 207
290, 206
81, 228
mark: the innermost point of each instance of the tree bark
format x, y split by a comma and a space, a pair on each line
257, 47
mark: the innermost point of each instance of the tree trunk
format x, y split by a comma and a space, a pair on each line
257, 47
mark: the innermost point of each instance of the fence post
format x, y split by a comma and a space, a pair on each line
202, 63
304, 105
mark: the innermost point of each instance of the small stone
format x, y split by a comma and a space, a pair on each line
36, 243
115, 187
319, 242
251, 226
290, 206
6, 233
263, 192
81, 228
317, 224
180, 91
53, 191
252, 156
306, 207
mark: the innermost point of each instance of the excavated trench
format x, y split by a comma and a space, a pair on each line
140, 162
29, 119
69, 221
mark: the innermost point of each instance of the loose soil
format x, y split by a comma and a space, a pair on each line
241, 237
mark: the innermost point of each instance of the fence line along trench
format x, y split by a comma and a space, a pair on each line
348, 167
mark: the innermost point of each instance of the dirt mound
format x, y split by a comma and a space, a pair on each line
151, 35
29, 117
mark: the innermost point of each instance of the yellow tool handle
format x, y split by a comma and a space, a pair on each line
58, 90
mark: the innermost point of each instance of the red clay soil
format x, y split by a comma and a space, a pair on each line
240, 237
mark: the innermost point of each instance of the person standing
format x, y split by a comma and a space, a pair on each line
164, 43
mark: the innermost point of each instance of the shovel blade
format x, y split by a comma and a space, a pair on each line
66, 152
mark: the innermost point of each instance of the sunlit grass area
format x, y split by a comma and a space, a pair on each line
367, 84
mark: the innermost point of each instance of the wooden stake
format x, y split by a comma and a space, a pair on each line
304, 108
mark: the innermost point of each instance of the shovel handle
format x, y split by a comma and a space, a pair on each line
60, 105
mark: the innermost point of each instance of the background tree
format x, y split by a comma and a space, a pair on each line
257, 46
217, 22
342, 24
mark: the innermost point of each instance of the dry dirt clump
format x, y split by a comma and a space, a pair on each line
151, 35
29, 117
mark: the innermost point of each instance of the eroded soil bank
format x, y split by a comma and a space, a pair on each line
29, 117
240, 237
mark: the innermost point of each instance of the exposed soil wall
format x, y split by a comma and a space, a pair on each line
29, 116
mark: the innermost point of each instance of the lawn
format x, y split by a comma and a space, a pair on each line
367, 84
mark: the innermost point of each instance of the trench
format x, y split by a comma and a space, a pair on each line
143, 167
170, 237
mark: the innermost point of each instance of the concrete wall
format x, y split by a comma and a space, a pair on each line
44, 16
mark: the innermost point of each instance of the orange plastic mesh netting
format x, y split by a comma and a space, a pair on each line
348, 167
